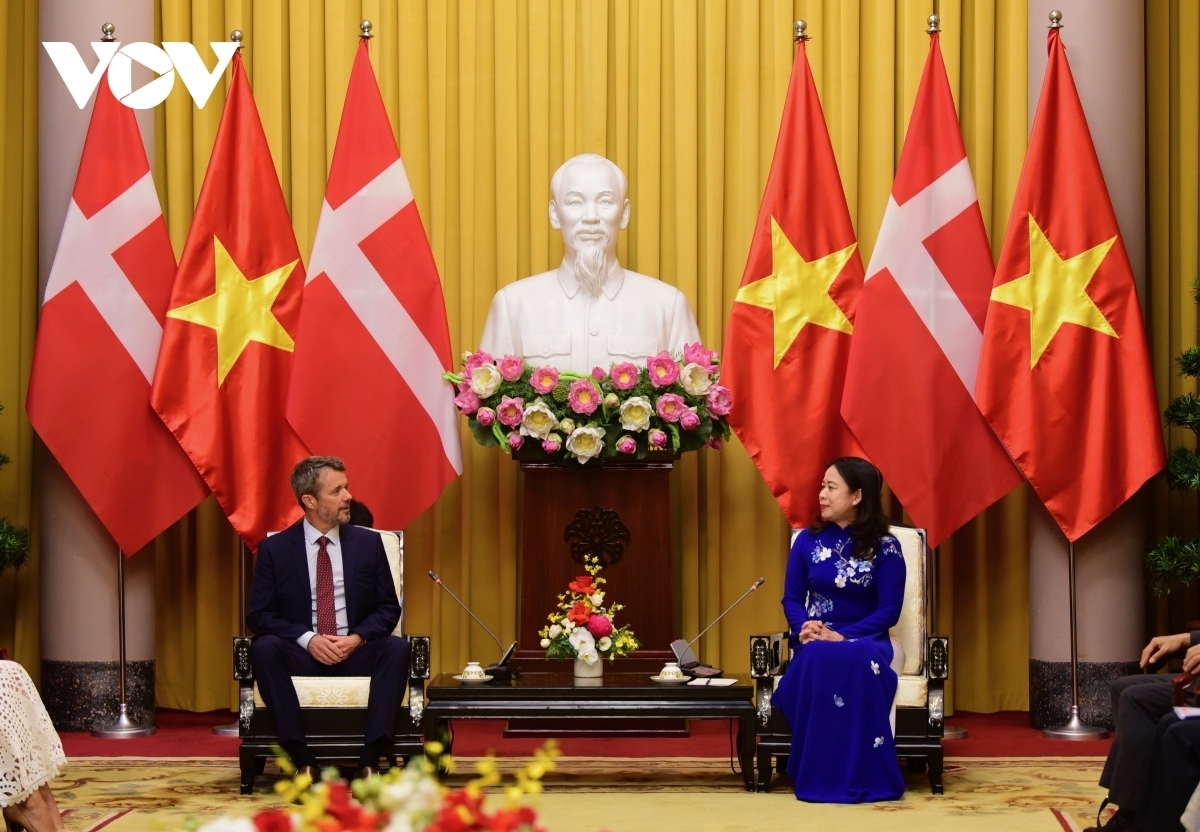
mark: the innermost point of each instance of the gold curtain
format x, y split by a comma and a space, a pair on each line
19, 593
1173, 147
487, 99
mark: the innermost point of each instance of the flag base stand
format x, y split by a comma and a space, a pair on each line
123, 727
952, 732
230, 730
233, 729
1075, 729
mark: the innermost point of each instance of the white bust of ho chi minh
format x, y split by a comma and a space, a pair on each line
589, 312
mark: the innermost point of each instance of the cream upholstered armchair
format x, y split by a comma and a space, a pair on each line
919, 705
335, 709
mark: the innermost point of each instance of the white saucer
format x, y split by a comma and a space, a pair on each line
473, 681
666, 680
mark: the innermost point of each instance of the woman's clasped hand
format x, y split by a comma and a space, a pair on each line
817, 631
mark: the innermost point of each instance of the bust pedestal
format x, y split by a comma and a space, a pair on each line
620, 511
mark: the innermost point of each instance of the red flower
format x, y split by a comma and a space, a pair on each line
274, 820
582, 584
579, 613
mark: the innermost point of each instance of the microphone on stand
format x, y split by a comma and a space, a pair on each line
500, 670
688, 662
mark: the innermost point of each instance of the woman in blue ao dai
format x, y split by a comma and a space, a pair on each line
845, 588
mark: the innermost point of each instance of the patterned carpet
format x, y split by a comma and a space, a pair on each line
641, 794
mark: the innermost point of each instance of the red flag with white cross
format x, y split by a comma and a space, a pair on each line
373, 339
1064, 375
789, 329
98, 338
919, 328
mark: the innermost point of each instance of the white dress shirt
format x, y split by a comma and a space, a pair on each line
334, 549
549, 319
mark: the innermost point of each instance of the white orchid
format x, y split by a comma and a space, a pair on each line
603, 644
590, 656
229, 825
582, 641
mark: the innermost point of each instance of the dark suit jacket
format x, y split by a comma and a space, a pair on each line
281, 597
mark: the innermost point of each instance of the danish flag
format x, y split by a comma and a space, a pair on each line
373, 340
910, 380
97, 341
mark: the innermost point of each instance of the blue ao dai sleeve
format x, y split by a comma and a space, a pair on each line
890, 575
795, 588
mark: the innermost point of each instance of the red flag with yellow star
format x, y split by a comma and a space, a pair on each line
789, 329
1064, 375
223, 367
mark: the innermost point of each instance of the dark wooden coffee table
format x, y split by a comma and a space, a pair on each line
614, 696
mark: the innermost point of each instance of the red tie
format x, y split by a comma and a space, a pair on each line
326, 617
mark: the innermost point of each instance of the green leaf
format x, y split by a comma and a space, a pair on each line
1183, 412
1173, 560
501, 439
483, 436
14, 545
1189, 362
1183, 469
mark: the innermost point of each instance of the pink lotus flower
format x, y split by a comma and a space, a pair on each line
625, 376
657, 439
515, 440
627, 445
598, 373
688, 420
511, 367
599, 626
552, 444
467, 402
699, 354
713, 442
720, 400
486, 416
511, 411
670, 407
544, 379
476, 359
663, 369
583, 397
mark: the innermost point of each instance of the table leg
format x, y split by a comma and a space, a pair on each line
746, 749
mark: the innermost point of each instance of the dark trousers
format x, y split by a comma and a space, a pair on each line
385, 660
1154, 763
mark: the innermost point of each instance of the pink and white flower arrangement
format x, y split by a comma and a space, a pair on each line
581, 627
667, 404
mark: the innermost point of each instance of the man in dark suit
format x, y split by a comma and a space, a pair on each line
323, 603
1154, 763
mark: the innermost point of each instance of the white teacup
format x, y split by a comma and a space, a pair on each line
473, 671
670, 671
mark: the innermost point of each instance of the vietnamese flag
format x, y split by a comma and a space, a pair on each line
790, 326
222, 375
1064, 374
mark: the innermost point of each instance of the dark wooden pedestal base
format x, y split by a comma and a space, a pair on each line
619, 512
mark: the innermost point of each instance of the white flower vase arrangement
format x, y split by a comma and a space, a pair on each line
582, 627
671, 404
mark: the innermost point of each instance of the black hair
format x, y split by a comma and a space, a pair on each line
360, 515
870, 523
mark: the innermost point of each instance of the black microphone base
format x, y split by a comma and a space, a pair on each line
499, 673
